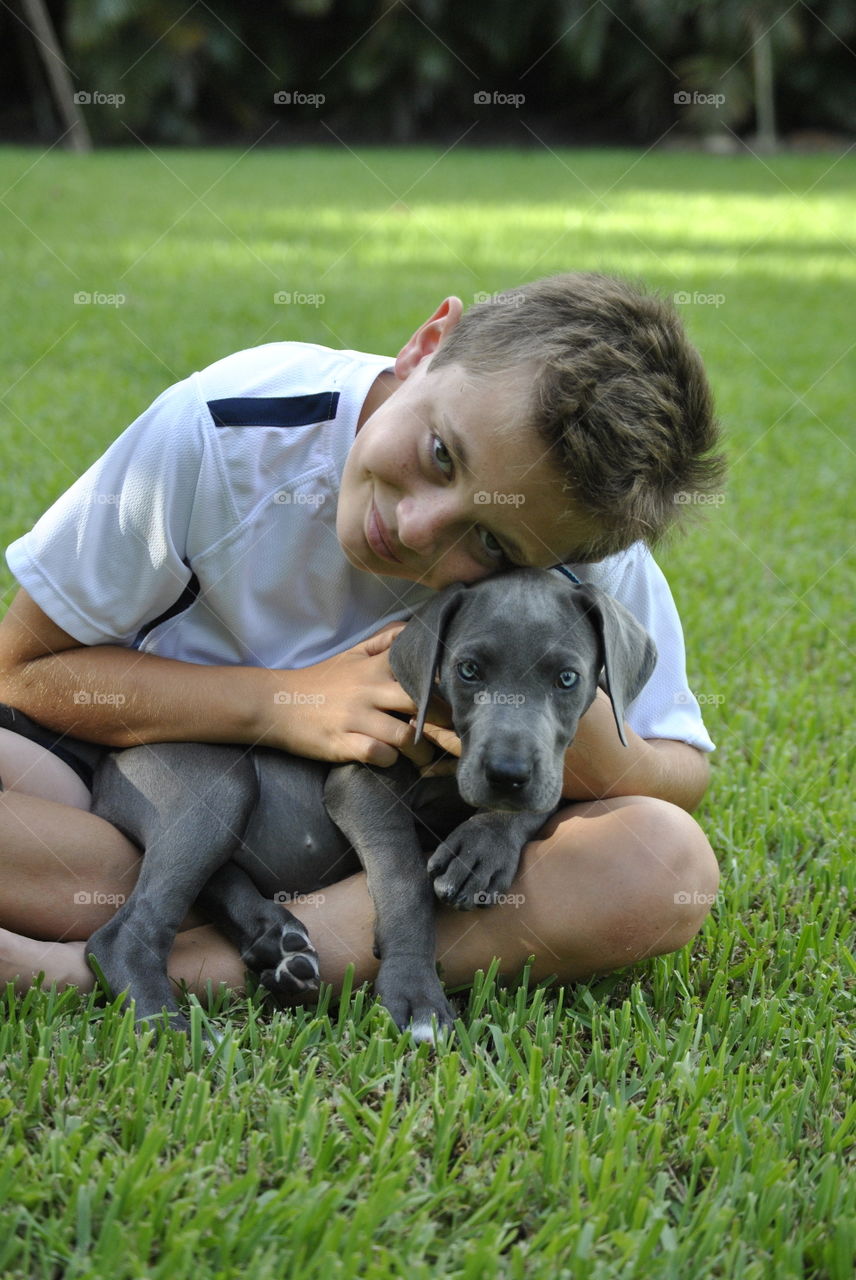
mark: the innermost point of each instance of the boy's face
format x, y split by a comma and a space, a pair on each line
441, 486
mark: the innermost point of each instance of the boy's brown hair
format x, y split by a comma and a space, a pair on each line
619, 397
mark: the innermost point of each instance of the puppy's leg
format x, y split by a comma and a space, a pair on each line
368, 805
186, 805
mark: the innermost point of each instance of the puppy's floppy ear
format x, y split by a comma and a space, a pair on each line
415, 652
629, 653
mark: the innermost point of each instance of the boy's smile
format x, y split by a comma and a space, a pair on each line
444, 484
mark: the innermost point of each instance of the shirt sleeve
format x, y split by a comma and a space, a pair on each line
110, 554
666, 707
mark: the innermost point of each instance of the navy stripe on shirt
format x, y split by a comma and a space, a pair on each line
274, 411
184, 601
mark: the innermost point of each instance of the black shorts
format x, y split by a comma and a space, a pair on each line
80, 756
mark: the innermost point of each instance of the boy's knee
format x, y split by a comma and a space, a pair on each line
642, 874
684, 873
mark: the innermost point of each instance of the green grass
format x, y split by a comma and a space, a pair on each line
691, 1117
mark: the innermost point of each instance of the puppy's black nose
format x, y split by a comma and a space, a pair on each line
508, 771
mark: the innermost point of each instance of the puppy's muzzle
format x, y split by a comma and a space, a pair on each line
507, 780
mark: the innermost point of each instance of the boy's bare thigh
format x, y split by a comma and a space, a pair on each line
27, 767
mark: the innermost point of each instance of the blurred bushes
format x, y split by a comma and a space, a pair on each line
405, 70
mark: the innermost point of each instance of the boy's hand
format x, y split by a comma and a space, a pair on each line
437, 730
344, 708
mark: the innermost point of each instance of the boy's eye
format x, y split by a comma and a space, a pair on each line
441, 455
490, 544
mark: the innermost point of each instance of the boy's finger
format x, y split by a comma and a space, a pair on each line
420, 753
381, 640
441, 768
446, 739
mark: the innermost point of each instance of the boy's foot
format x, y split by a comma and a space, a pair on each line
23, 959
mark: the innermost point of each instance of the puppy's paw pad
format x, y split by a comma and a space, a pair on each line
298, 969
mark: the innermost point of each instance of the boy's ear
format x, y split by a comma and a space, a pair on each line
428, 336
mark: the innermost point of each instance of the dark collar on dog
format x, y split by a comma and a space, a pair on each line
561, 568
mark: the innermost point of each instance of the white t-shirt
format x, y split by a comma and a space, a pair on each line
207, 533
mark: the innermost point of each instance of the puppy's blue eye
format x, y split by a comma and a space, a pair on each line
469, 670
567, 679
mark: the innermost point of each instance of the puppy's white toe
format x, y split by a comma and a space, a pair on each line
423, 1032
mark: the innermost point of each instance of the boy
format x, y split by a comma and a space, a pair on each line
222, 574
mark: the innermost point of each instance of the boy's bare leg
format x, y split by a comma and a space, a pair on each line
62, 872
609, 882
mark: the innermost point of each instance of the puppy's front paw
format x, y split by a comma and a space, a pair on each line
468, 870
414, 996
297, 972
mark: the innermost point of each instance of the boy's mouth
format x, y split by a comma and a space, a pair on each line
378, 536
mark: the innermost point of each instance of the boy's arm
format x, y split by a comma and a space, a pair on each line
598, 767
663, 763
122, 698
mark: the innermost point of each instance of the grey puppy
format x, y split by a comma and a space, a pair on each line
517, 657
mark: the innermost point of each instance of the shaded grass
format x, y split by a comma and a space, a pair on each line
693, 1116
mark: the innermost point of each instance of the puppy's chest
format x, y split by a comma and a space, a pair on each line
438, 808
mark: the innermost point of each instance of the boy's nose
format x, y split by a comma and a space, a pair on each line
432, 531
421, 527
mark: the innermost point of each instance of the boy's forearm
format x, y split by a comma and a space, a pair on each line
598, 767
120, 697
